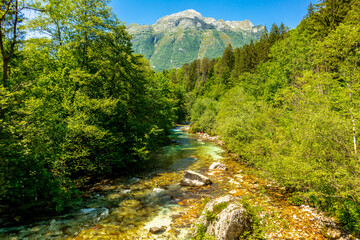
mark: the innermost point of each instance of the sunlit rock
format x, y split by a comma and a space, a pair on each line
194, 179
225, 218
158, 190
126, 191
218, 166
157, 230
333, 233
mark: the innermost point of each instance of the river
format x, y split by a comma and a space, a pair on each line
126, 208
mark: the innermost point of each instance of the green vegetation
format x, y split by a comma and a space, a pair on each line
258, 228
201, 233
289, 105
76, 104
212, 215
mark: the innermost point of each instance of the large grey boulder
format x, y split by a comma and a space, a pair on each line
218, 166
225, 218
194, 179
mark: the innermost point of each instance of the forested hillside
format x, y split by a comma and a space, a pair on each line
289, 105
75, 102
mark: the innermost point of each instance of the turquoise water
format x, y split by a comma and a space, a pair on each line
128, 208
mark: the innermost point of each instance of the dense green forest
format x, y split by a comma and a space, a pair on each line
75, 102
288, 104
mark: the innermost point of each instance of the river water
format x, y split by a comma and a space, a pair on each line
128, 208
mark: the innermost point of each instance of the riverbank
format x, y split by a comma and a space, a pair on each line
130, 208
282, 219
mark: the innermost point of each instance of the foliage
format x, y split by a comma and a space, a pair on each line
258, 229
288, 104
212, 215
77, 104
201, 233
204, 112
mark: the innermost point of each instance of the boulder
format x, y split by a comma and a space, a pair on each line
218, 166
225, 219
157, 230
194, 179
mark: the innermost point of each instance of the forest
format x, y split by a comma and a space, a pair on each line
77, 103
288, 105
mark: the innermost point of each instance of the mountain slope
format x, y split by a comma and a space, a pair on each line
182, 37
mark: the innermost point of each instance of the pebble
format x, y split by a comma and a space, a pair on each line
157, 230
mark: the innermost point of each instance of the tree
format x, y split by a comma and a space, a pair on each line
228, 59
274, 34
90, 107
11, 17
338, 55
54, 20
326, 16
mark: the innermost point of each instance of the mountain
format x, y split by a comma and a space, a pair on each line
185, 36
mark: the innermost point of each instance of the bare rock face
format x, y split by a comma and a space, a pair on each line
194, 179
218, 166
229, 218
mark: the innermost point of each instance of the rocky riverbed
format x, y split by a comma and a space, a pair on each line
155, 206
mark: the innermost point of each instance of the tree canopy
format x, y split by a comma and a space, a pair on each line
288, 105
76, 102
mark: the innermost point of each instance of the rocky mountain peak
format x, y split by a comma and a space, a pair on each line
193, 19
184, 36
190, 13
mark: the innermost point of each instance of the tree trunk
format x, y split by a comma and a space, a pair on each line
5, 72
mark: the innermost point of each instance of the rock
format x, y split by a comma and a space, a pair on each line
102, 214
126, 191
158, 190
194, 179
35, 229
157, 230
333, 233
134, 180
230, 219
218, 166
53, 226
87, 210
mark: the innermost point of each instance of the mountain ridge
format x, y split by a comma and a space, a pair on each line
182, 37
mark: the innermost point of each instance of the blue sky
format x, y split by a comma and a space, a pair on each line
259, 12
